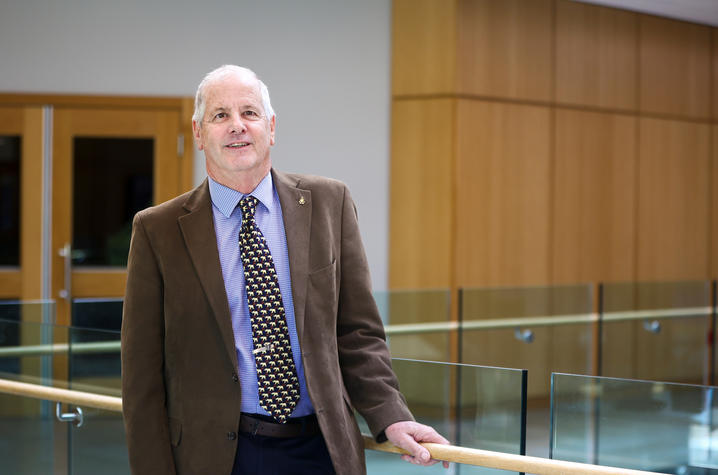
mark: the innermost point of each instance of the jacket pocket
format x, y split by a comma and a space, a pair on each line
323, 288
175, 431
328, 271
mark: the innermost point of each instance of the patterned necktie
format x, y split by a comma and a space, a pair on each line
276, 375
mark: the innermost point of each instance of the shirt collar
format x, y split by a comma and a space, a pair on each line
226, 199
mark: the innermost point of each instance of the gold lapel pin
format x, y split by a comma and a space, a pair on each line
302, 200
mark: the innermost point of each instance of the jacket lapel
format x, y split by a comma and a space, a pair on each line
198, 231
297, 215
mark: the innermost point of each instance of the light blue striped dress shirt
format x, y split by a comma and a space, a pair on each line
227, 223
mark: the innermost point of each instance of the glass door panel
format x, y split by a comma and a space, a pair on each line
10, 200
119, 172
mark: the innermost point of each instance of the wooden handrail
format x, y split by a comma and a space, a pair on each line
504, 461
450, 453
408, 328
67, 396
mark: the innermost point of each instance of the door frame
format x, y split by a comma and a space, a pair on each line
35, 124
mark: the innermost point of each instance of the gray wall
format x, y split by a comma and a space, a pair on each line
327, 65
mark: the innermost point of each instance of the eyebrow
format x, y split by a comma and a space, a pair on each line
242, 107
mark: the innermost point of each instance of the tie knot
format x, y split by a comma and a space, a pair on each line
248, 204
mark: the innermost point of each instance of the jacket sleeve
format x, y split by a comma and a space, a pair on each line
143, 385
363, 353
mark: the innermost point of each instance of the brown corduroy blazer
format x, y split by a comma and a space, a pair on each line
181, 394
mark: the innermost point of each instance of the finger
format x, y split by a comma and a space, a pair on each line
431, 436
437, 439
417, 451
415, 461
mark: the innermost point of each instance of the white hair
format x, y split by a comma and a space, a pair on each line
220, 73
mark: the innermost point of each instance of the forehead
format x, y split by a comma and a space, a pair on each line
232, 91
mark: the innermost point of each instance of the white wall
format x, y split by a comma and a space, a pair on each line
326, 63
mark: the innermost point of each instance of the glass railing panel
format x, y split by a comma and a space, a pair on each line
30, 440
95, 361
80, 358
416, 323
36, 311
645, 425
540, 329
95, 350
472, 406
32, 349
657, 331
98, 446
99, 314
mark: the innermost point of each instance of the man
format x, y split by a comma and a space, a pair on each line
249, 332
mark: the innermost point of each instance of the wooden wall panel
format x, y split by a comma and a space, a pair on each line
594, 197
674, 67
596, 56
424, 47
673, 211
504, 48
421, 209
604, 196
503, 181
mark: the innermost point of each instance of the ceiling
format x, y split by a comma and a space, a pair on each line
697, 11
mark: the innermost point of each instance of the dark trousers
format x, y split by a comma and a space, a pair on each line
262, 455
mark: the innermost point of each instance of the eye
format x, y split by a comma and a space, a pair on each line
219, 116
251, 114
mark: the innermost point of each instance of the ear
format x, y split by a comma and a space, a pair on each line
272, 124
197, 134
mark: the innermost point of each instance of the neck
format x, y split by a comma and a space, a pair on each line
245, 182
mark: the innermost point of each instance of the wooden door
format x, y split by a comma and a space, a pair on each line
21, 130
108, 163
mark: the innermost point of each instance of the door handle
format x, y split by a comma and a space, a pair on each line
66, 253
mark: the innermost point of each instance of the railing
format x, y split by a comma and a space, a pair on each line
547, 320
411, 328
639, 331
449, 453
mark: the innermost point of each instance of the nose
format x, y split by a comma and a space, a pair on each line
237, 124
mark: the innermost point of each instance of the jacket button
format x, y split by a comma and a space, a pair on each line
231, 435
235, 378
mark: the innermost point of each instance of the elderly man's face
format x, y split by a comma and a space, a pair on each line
235, 133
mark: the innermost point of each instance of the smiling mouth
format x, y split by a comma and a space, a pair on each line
238, 145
